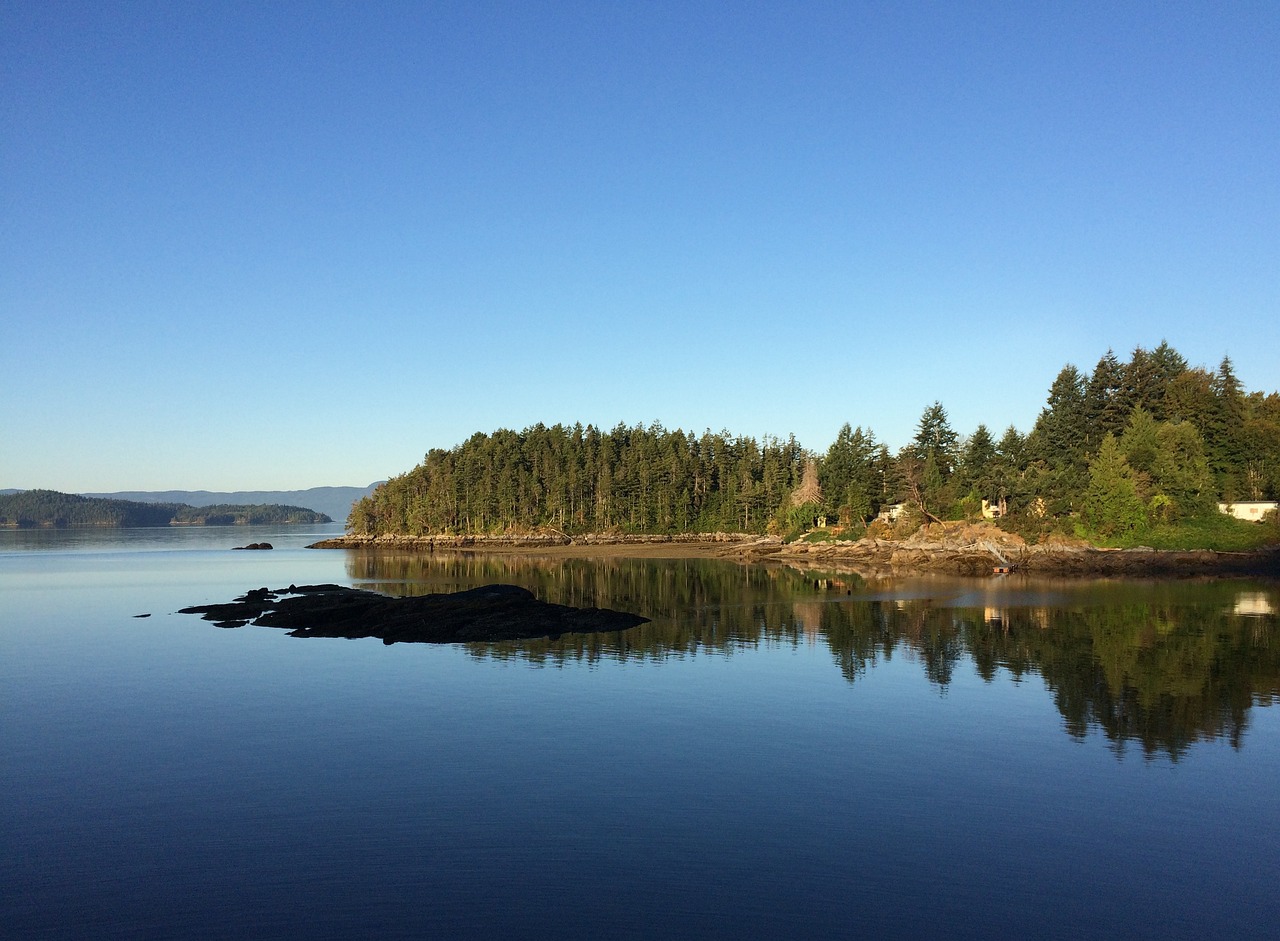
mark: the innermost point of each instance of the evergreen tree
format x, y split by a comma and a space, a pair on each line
1111, 506
1008, 467
935, 439
1180, 471
1104, 401
978, 463
1225, 432
849, 477
1061, 431
1059, 441
1169, 365
1140, 442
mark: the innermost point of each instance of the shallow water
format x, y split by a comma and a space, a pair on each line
777, 754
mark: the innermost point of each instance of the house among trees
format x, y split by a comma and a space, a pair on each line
1251, 511
891, 512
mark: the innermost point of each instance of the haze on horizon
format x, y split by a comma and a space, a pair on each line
273, 248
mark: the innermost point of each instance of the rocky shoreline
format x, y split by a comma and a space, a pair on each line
533, 540
948, 548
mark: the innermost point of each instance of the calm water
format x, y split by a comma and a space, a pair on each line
779, 754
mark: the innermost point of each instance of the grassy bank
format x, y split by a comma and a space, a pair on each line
1220, 533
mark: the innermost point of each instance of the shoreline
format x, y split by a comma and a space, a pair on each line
947, 552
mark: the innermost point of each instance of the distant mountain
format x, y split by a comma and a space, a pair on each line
331, 501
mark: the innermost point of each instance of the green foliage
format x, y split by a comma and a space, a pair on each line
1105, 403
1217, 531
49, 508
850, 476
227, 514
575, 480
1140, 442
936, 442
1111, 505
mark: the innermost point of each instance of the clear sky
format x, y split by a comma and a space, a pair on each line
292, 244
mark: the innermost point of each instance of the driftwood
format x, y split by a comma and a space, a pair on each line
491, 613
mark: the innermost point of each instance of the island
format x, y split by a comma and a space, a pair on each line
50, 509
487, 614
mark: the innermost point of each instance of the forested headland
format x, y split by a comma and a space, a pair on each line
49, 508
1142, 449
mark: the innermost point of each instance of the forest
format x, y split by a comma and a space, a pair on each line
1138, 449
49, 508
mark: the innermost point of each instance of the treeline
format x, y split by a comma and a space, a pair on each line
49, 508
234, 514
1129, 445
633, 479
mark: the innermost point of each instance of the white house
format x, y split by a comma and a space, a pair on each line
891, 512
1251, 511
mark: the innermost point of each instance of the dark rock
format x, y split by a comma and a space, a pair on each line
255, 545
142, 615
491, 613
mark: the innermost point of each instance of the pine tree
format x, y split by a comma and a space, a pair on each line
935, 439
978, 462
1111, 506
1104, 404
1061, 431
1224, 435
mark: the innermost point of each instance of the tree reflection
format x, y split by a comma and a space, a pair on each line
1157, 665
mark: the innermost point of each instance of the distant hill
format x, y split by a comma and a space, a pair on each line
333, 502
48, 508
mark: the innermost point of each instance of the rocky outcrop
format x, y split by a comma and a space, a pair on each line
491, 613
255, 545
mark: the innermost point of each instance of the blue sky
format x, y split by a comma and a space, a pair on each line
271, 246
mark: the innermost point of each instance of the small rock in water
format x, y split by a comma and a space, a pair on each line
142, 615
255, 545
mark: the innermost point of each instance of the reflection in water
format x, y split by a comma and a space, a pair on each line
1254, 602
1159, 664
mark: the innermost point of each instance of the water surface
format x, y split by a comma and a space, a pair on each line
777, 754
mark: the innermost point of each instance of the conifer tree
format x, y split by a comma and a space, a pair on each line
1104, 402
1111, 506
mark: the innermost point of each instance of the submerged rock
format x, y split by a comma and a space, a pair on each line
491, 613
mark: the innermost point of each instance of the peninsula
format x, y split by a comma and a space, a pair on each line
1149, 453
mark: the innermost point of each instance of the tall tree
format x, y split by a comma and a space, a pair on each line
1111, 506
1169, 365
1224, 431
978, 463
849, 476
1058, 442
1180, 471
1105, 407
1061, 430
935, 439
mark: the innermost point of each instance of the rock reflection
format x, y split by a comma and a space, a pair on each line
1154, 665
